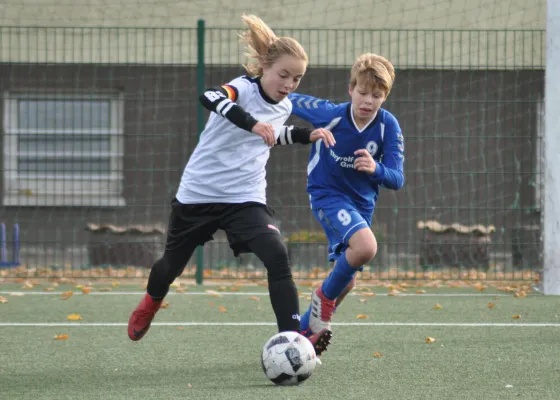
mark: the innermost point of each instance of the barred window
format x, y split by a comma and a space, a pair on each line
63, 149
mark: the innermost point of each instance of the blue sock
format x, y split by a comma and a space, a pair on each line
341, 275
304, 321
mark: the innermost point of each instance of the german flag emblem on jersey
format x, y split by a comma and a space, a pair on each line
231, 92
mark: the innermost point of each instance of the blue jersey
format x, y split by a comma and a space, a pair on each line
331, 170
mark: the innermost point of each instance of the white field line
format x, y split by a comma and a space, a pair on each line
360, 324
216, 293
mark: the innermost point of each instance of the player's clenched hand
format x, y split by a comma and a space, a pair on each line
266, 131
364, 162
325, 134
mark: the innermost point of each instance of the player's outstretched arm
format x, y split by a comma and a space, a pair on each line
293, 134
222, 101
311, 109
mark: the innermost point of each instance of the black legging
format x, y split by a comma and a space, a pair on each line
269, 248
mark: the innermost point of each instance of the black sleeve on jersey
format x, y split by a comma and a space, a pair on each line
221, 101
294, 134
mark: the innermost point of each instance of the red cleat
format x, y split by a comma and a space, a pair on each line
320, 340
142, 317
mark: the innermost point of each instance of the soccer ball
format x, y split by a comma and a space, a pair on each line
288, 358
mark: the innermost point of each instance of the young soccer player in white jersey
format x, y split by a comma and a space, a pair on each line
224, 184
344, 180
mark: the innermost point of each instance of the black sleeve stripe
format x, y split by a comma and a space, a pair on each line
291, 135
285, 136
282, 136
221, 105
228, 107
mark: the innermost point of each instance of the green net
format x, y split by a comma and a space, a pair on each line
100, 121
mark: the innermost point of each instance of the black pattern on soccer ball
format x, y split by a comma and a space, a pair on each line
294, 357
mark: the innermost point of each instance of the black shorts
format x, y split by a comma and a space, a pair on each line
195, 224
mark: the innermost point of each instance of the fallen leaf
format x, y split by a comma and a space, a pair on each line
115, 284
255, 298
180, 290
430, 340
377, 355
222, 289
27, 285
164, 305
213, 293
61, 337
222, 309
86, 290
521, 293
438, 306
491, 305
516, 316
362, 316
48, 289
420, 291
479, 286
211, 303
180, 328
189, 386
393, 292
234, 289
363, 300
3, 300
67, 295
367, 294
74, 317
105, 289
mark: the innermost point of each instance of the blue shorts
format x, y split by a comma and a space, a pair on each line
340, 220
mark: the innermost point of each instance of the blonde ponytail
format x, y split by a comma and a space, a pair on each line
264, 47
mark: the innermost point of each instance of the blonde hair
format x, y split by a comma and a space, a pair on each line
373, 70
264, 47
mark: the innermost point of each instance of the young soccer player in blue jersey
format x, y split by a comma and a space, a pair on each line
344, 180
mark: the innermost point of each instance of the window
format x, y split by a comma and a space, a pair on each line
63, 150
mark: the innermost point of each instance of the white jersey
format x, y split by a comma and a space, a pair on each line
228, 164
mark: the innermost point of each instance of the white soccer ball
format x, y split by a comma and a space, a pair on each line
288, 358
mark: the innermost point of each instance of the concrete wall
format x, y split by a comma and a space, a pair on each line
331, 14
396, 29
